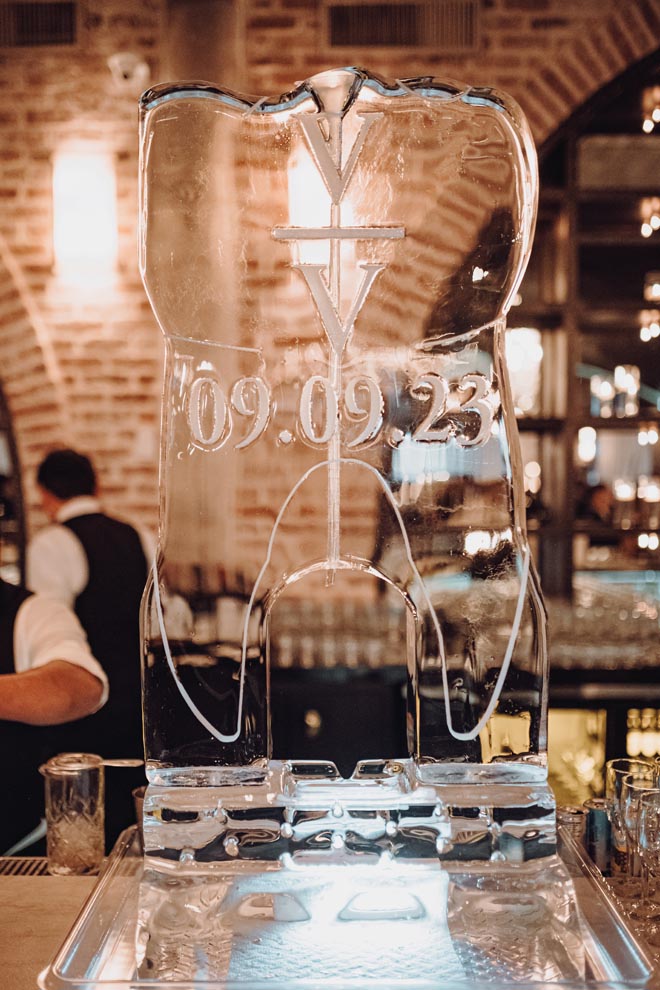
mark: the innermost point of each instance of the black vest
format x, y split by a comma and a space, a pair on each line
109, 611
24, 746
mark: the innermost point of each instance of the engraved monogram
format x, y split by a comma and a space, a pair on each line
353, 412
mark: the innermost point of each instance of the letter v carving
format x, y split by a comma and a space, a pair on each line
336, 331
335, 177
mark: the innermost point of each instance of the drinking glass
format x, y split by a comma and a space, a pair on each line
634, 787
75, 820
648, 845
615, 772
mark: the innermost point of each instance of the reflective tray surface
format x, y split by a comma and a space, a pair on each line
254, 926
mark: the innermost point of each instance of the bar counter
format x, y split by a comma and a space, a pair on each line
36, 912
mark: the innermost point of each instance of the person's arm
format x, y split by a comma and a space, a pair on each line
49, 695
57, 678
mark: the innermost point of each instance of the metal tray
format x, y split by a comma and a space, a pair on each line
257, 927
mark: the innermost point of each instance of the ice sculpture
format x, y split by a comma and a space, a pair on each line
331, 270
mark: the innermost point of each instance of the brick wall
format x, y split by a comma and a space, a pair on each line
80, 365
548, 54
83, 366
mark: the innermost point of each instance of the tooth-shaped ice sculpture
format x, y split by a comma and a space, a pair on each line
341, 480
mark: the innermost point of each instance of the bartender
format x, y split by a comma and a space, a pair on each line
97, 565
48, 676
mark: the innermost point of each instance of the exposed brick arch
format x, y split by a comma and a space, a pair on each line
563, 82
28, 371
550, 55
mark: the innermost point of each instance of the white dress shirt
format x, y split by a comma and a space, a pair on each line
56, 562
47, 630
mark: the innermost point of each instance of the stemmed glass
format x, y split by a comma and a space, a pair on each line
648, 840
615, 772
634, 787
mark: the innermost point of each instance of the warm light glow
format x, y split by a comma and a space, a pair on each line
649, 325
532, 477
652, 287
524, 353
479, 540
587, 439
626, 384
647, 435
625, 491
650, 215
309, 205
650, 108
651, 490
523, 348
84, 214
626, 378
602, 396
602, 388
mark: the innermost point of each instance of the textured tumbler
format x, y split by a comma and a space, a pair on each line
74, 791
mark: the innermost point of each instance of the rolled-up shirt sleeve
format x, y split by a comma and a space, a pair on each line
47, 630
56, 564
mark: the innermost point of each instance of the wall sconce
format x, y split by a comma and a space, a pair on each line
85, 236
309, 205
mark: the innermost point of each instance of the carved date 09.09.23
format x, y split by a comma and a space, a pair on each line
440, 410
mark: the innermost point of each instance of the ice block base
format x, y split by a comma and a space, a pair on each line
387, 810
392, 926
